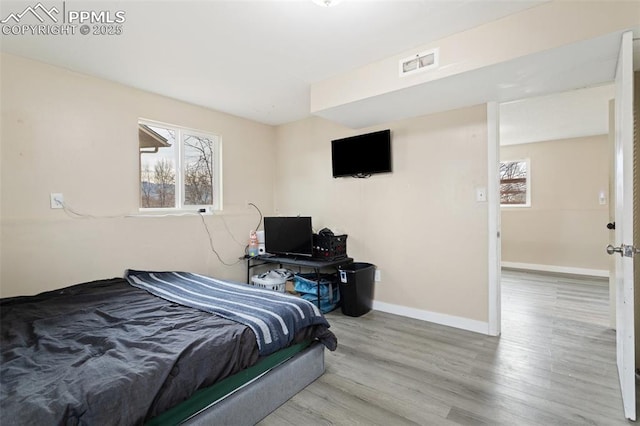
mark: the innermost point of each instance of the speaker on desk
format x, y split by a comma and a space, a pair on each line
261, 249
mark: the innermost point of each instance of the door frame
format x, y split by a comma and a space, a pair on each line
493, 198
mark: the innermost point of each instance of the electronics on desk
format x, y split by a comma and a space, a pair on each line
289, 236
293, 236
261, 248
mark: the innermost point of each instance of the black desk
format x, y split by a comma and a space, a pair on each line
301, 262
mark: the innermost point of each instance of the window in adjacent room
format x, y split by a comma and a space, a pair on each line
179, 168
515, 183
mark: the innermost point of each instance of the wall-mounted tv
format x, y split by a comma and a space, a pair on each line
361, 155
291, 236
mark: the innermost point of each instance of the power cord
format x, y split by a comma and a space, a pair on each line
204, 223
260, 220
74, 214
226, 226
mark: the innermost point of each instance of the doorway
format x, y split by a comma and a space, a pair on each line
557, 222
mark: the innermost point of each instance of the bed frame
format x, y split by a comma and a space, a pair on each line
254, 401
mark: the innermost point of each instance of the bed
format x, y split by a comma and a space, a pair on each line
156, 348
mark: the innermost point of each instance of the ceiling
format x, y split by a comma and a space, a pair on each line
254, 59
257, 59
571, 114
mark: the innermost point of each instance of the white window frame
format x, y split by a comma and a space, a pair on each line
179, 157
527, 161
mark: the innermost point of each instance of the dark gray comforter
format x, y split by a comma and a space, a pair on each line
275, 318
105, 353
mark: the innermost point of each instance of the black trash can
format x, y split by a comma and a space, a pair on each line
356, 288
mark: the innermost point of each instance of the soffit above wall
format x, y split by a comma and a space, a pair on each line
584, 64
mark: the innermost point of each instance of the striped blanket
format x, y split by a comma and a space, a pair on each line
274, 317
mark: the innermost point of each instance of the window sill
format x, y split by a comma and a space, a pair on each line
193, 212
515, 206
208, 211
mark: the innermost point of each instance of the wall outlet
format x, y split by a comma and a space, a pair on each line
378, 276
57, 200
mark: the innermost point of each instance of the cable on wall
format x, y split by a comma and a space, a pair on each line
206, 228
260, 220
226, 226
75, 214
241, 244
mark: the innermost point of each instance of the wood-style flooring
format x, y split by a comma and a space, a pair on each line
554, 364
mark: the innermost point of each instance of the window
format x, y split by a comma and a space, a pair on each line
179, 168
515, 183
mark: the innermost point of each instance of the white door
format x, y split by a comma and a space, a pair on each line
623, 249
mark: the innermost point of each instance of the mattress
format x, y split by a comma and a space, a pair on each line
106, 353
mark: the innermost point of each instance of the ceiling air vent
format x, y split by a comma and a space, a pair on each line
419, 62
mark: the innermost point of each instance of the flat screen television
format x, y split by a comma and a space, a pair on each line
362, 155
290, 236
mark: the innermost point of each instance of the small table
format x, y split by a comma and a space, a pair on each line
301, 262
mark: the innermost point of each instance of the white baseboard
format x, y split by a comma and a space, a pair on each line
560, 269
438, 318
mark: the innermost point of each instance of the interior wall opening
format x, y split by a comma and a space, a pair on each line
554, 221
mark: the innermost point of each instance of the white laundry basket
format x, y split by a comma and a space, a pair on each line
275, 280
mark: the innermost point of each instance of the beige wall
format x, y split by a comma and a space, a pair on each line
74, 134
565, 225
420, 224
